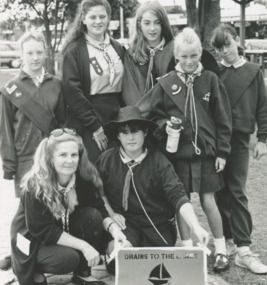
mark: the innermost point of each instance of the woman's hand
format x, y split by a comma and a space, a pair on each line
100, 139
91, 255
119, 219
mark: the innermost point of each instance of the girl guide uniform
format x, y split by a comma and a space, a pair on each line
245, 87
92, 79
28, 114
200, 101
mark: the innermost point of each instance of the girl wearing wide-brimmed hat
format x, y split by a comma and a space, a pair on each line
141, 188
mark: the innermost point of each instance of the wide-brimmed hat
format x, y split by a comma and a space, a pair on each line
128, 114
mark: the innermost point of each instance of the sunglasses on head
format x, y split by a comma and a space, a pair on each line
60, 132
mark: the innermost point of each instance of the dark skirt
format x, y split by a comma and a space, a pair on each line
199, 175
106, 107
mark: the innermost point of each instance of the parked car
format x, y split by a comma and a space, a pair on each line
10, 54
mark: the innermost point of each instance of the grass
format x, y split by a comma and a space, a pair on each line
257, 196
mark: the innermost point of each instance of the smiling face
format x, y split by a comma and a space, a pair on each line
65, 160
33, 56
151, 28
229, 51
96, 21
188, 56
132, 140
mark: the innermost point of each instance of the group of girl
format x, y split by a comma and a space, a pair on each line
59, 223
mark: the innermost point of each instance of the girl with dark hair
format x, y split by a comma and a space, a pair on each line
58, 226
142, 192
245, 87
92, 74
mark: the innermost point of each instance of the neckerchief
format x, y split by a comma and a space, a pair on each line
189, 78
104, 48
69, 201
152, 53
130, 173
38, 79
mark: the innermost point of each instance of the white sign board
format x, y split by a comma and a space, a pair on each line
161, 266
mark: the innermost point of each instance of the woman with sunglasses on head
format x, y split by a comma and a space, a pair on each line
58, 226
92, 74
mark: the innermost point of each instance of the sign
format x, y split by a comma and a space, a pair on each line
162, 265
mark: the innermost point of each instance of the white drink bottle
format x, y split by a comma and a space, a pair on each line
174, 135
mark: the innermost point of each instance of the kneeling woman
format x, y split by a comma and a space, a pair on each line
58, 226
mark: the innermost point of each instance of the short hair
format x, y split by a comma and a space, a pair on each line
137, 45
78, 29
189, 36
33, 35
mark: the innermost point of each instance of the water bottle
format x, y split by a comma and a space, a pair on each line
174, 135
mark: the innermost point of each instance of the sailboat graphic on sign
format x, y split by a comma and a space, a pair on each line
160, 276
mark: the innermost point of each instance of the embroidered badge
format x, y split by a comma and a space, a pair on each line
18, 94
95, 64
207, 97
11, 89
176, 89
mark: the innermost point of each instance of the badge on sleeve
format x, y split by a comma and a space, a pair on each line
11, 89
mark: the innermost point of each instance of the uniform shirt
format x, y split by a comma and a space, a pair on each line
99, 69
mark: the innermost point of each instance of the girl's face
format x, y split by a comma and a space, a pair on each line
65, 160
33, 56
229, 51
132, 142
96, 21
151, 28
189, 56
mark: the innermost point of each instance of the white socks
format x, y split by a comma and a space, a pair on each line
243, 250
220, 246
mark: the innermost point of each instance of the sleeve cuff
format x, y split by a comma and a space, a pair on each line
182, 201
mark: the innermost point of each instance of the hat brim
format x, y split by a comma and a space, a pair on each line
111, 128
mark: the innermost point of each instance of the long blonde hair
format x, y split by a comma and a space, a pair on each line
42, 178
138, 45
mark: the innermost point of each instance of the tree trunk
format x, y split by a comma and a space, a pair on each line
192, 14
211, 19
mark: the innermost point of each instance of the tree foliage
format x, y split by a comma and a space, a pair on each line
53, 16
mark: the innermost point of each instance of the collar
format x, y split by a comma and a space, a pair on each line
182, 74
23, 74
239, 63
97, 43
160, 46
126, 159
70, 186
